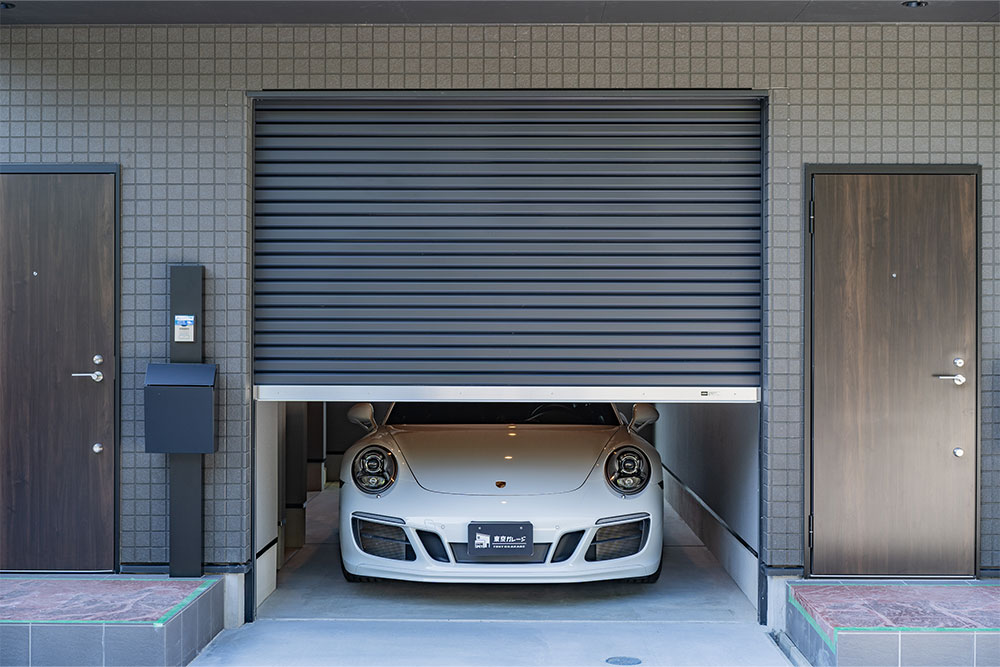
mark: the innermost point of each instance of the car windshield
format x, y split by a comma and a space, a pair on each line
592, 414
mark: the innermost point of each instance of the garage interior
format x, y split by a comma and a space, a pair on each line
301, 445
704, 579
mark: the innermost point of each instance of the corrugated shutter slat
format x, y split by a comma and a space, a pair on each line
568, 241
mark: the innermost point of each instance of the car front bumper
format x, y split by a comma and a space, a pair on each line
551, 516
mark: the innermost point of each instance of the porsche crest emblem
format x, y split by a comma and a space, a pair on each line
501, 484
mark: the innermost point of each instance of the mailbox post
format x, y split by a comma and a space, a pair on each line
180, 422
180, 418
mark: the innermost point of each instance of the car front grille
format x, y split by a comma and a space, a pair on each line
618, 541
384, 541
566, 546
433, 545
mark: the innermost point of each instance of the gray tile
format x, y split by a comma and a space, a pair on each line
937, 648
807, 639
173, 641
66, 644
133, 645
14, 643
868, 648
988, 649
204, 604
189, 630
218, 615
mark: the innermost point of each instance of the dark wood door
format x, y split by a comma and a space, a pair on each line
57, 298
894, 305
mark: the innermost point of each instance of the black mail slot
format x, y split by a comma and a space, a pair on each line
180, 408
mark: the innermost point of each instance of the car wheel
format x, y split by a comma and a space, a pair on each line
649, 578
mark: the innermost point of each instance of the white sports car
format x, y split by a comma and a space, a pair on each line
501, 493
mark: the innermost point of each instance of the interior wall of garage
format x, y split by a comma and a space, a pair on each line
169, 103
711, 457
714, 450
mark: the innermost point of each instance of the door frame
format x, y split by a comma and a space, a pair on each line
761, 95
113, 169
807, 368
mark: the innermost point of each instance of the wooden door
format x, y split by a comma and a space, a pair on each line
57, 432
894, 306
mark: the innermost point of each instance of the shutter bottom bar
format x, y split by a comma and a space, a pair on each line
378, 393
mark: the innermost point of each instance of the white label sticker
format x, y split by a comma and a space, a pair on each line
183, 328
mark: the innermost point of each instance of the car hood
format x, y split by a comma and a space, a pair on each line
500, 460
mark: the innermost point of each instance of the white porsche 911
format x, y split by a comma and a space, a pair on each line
501, 493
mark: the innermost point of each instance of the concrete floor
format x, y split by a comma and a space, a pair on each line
694, 615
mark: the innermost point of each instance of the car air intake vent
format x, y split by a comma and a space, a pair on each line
461, 551
567, 545
619, 540
434, 546
383, 541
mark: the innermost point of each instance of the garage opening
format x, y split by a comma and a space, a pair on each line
299, 572
512, 247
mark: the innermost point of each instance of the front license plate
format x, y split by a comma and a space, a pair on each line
491, 538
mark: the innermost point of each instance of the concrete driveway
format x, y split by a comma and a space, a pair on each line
694, 615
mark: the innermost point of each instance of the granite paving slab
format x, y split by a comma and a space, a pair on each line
905, 606
95, 600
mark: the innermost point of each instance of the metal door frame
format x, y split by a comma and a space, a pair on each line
811, 170
114, 169
757, 395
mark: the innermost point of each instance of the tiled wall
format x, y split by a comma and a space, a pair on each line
168, 104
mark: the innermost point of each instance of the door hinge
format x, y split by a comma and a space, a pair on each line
812, 215
810, 531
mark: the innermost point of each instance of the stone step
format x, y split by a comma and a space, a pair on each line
107, 619
895, 622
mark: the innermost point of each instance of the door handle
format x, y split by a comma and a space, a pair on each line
957, 379
96, 376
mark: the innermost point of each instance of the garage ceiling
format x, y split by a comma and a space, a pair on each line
496, 11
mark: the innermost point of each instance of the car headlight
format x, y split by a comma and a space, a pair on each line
627, 470
374, 469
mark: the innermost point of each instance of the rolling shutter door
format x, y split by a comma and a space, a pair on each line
557, 241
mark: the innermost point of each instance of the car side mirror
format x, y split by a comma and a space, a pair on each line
362, 414
643, 414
